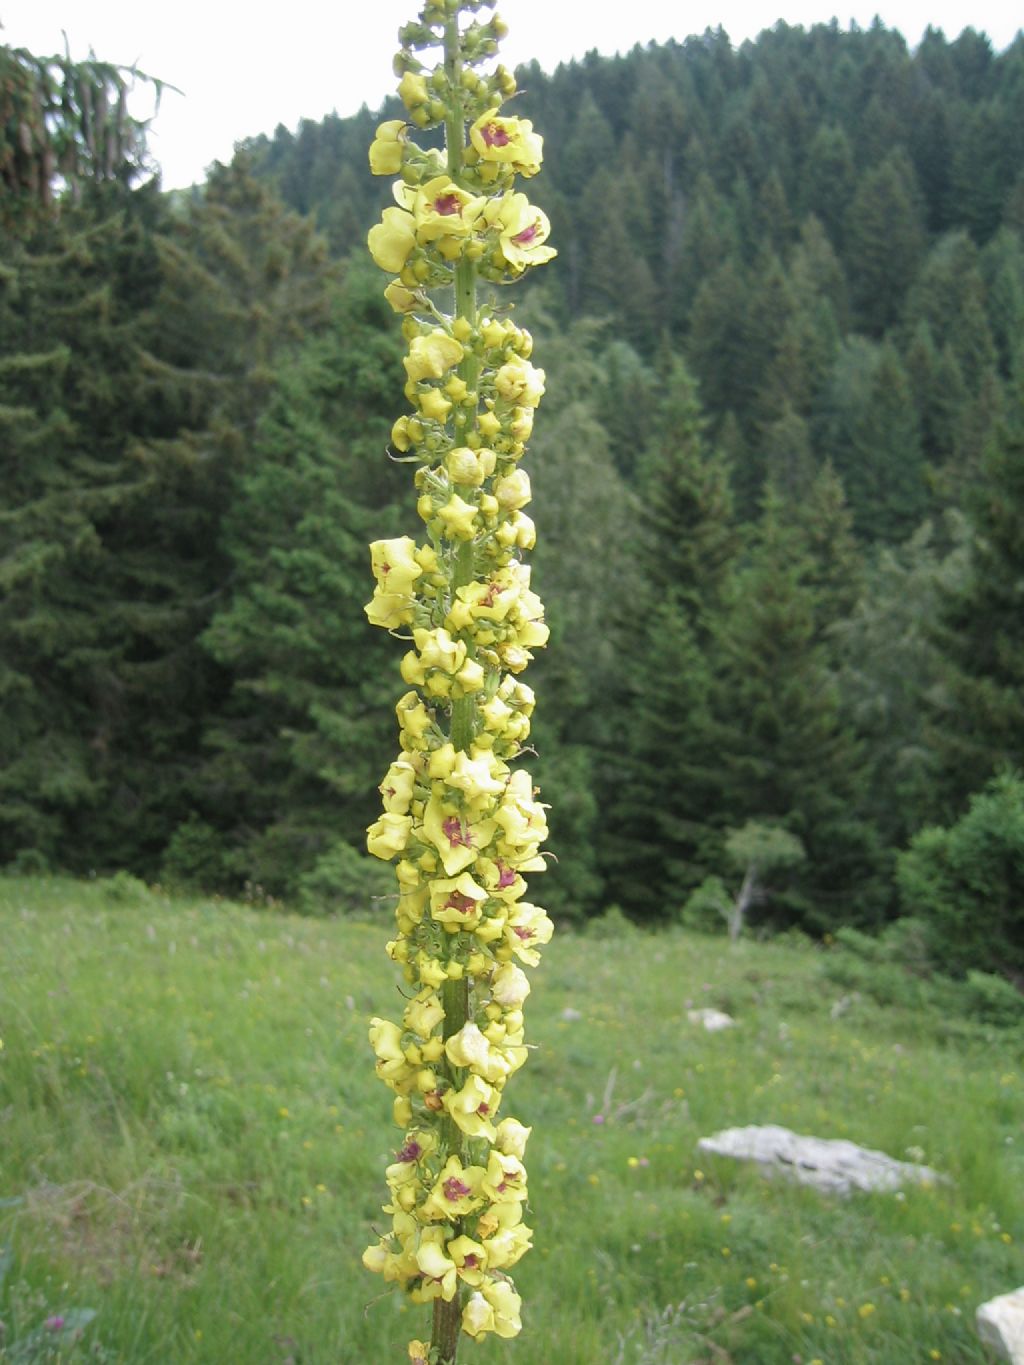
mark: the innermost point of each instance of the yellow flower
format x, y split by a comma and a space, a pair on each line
412, 90
513, 490
432, 355
469, 1048
477, 1317
438, 649
456, 902
389, 609
419, 1353
508, 141
386, 1040
440, 209
472, 1107
401, 299
526, 531
433, 405
512, 1137
471, 676
459, 518
509, 986
520, 382
506, 1304
470, 466
456, 1191
520, 816
413, 717
436, 1266
457, 840
392, 240
523, 229
488, 425
394, 565
424, 1013
527, 928
388, 835
508, 1245
478, 775
387, 147
505, 1182
397, 787
431, 971
470, 1259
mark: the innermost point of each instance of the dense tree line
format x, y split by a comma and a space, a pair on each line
783, 432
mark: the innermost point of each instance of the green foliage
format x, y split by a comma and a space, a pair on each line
196, 857
766, 847
124, 889
294, 750
610, 924
966, 882
809, 272
904, 966
786, 754
344, 881
64, 125
888, 661
706, 908
978, 714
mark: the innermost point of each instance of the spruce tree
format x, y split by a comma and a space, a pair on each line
786, 756
884, 242
290, 755
685, 544
978, 716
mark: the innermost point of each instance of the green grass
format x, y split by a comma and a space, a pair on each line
191, 1125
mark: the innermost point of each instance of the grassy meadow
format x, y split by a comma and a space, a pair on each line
192, 1145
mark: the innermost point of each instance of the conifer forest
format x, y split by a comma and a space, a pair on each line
779, 475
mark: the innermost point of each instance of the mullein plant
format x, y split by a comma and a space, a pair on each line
461, 824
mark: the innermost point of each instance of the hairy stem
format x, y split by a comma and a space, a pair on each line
455, 994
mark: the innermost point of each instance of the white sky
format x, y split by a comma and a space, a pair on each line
243, 71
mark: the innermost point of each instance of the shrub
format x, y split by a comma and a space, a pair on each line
123, 889
706, 909
345, 881
611, 924
195, 858
966, 884
993, 1000
28, 862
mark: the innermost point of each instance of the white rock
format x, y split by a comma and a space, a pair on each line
713, 1020
828, 1164
570, 1014
1001, 1326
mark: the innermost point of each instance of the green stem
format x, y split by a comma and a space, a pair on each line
455, 994
448, 1315
447, 1326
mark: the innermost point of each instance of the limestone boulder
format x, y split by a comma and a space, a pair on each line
1001, 1326
712, 1020
829, 1164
